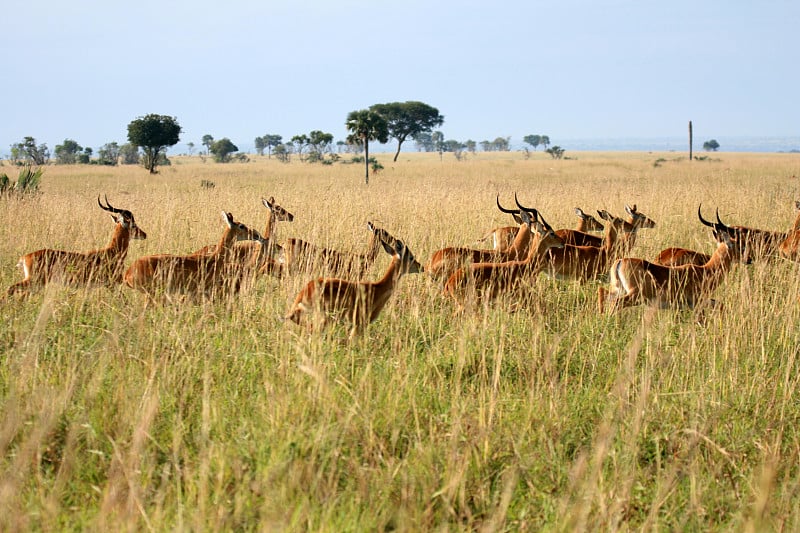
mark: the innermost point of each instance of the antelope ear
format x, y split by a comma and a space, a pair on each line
580, 213
371, 226
388, 247
227, 218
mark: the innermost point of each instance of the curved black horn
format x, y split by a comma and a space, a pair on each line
721, 223
504, 210
108, 206
702, 220
544, 222
532, 211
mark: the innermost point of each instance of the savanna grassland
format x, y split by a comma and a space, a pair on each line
219, 416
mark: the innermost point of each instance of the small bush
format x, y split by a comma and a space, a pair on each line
27, 182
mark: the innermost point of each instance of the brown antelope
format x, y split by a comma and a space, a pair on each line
490, 280
583, 263
631, 226
447, 260
97, 267
761, 244
195, 274
636, 281
258, 255
503, 237
301, 256
358, 303
790, 246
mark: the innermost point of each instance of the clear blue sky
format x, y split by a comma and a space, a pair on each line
570, 69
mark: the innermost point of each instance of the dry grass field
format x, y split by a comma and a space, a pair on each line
118, 415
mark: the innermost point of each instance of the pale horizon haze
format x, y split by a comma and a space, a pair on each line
595, 71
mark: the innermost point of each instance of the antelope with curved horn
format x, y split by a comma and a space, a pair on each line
301, 256
490, 280
761, 244
447, 260
97, 267
195, 275
358, 303
503, 237
636, 281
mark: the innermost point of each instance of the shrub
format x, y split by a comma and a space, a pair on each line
27, 182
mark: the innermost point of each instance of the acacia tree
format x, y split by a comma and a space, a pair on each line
67, 153
364, 126
154, 133
30, 151
711, 146
533, 140
222, 150
408, 119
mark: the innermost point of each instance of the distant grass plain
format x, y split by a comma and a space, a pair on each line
221, 417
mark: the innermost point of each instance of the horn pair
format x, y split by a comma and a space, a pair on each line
108, 206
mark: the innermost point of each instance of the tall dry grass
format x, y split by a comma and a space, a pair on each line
118, 415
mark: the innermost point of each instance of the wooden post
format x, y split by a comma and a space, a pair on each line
690, 140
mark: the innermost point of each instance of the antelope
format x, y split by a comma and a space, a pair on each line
636, 281
258, 255
97, 267
490, 280
447, 260
503, 237
358, 303
194, 274
583, 263
790, 246
760, 244
636, 222
299, 255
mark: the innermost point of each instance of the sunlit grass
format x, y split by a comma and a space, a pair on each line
118, 414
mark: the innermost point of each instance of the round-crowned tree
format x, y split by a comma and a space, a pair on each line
154, 133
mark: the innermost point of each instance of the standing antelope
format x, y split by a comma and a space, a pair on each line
636, 281
358, 303
490, 280
97, 267
196, 274
301, 256
447, 260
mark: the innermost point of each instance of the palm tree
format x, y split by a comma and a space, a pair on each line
365, 126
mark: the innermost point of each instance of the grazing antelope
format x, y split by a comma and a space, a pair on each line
584, 263
636, 281
447, 260
196, 274
301, 256
258, 255
503, 237
358, 303
490, 280
97, 267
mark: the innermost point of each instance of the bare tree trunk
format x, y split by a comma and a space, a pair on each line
690, 140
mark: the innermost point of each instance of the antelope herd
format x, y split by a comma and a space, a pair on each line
677, 277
